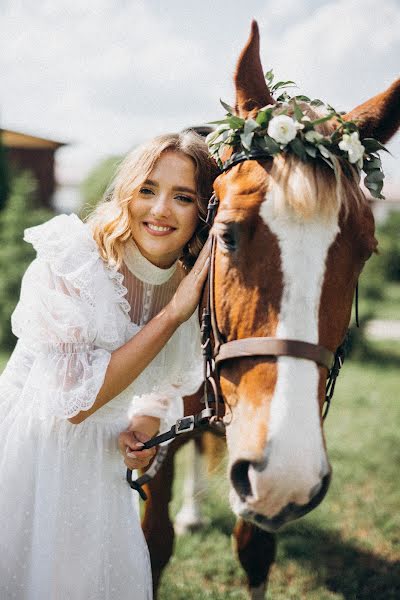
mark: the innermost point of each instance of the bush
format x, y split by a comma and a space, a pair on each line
389, 246
96, 183
15, 254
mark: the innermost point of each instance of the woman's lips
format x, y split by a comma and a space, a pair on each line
158, 230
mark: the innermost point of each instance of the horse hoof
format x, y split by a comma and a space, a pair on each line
188, 522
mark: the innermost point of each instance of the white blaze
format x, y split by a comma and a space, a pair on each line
296, 452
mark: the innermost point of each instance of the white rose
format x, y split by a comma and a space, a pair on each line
313, 136
282, 129
352, 145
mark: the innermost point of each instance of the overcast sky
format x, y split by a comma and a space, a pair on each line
104, 75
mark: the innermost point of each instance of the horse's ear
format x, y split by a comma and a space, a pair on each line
379, 117
251, 89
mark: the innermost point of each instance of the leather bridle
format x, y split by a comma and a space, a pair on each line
217, 351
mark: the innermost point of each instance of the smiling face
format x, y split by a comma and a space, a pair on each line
163, 211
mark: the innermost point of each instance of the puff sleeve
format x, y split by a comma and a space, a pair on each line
55, 320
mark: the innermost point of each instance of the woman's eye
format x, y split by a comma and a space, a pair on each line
187, 199
145, 191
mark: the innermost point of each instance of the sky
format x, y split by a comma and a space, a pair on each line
106, 75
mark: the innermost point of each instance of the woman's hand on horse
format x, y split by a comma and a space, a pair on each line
187, 296
130, 445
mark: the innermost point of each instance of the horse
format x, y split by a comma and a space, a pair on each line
291, 239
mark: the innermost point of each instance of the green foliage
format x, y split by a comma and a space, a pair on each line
388, 235
97, 182
15, 254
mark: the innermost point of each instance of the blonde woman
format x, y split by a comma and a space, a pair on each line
108, 345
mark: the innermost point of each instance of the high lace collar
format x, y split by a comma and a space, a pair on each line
142, 268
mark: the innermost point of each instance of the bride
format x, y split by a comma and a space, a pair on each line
108, 343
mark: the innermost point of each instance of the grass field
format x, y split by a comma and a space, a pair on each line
349, 547
346, 549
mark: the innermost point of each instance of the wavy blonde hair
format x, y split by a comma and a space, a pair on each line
110, 219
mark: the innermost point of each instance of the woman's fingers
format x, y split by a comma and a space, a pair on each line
138, 459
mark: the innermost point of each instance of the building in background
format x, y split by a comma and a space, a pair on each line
26, 152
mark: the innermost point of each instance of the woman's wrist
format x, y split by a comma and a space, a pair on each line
170, 314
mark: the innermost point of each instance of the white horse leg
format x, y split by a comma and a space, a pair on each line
189, 517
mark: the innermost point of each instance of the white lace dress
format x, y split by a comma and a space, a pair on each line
69, 523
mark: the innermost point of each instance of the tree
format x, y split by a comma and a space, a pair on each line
18, 214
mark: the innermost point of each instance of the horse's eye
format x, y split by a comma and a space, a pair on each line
227, 237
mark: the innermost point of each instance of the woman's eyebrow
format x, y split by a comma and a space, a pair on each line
187, 190
178, 188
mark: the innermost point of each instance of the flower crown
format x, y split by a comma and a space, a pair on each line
272, 131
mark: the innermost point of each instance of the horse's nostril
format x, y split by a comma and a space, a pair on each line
240, 478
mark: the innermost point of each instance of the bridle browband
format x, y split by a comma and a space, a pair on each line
216, 351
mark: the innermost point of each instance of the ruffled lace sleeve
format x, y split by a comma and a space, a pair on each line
55, 319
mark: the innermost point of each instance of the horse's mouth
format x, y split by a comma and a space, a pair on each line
289, 513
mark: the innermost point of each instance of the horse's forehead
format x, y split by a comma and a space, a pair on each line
247, 179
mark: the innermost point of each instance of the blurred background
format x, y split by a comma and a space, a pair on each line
83, 83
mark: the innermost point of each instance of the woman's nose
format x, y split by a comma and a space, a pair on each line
161, 207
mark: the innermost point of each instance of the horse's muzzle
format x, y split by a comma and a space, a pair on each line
289, 513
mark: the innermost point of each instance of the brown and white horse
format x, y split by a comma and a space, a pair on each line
292, 241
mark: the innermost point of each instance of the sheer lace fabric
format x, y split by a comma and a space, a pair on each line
70, 527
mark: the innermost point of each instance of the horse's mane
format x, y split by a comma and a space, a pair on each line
313, 189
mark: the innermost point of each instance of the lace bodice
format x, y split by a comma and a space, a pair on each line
149, 288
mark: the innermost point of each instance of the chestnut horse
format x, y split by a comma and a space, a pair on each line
290, 249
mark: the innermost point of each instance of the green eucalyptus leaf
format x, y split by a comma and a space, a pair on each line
263, 117
321, 120
228, 108
235, 122
373, 163
311, 150
246, 139
269, 76
298, 113
372, 145
317, 102
220, 122
298, 148
250, 125
271, 146
302, 98
375, 176
283, 84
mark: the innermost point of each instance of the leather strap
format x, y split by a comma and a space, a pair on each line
264, 346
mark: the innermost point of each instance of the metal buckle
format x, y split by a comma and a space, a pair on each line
185, 424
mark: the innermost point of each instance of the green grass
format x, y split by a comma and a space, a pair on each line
349, 547
346, 549
4, 356
388, 308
